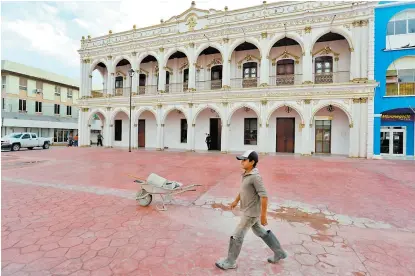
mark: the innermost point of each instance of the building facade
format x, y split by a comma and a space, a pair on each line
394, 115
37, 101
278, 77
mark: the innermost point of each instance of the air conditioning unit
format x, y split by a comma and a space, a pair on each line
37, 91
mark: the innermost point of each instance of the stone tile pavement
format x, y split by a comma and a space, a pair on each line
71, 211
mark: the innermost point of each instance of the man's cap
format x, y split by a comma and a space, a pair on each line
249, 154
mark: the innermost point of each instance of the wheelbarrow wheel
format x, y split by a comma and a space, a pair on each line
145, 201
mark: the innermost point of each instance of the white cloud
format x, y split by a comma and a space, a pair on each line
81, 23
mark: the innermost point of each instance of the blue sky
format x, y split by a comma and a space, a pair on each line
47, 35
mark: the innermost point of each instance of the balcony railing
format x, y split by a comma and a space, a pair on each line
281, 80
244, 82
125, 91
400, 89
147, 90
176, 87
208, 85
99, 93
332, 77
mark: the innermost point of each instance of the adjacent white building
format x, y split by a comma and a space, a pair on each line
277, 77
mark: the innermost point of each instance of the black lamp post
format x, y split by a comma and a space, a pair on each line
131, 73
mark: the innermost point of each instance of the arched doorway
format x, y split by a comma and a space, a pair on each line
147, 80
284, 130
243, 130
211, 79
208, 121
120, 129
147, 130
331, 131
175, 130
99, 80
247, 58
122, 78
96, 126
177, 82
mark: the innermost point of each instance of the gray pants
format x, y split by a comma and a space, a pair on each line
245, 224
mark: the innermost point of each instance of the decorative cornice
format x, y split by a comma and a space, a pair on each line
264, 35
248, 58
356, 101
307, 29
325, 51
307, 101
286, 55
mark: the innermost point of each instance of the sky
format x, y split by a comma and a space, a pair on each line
47, 35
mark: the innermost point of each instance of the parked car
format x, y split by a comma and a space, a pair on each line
16, 141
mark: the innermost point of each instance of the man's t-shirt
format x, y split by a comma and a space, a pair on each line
251, 191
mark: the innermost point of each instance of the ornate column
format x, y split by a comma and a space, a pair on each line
363, 128
364, 46
225, 129
355, 129
263, 128
111, 77
264, 77
162, 72
306, 127
373, 130
160, 129
80, 126
190, 129
307, 60
226, 65
355, 52
82, 87
192, 69
371, 51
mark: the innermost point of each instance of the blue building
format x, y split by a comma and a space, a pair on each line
394, 100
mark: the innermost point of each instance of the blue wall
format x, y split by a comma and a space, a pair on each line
382, 62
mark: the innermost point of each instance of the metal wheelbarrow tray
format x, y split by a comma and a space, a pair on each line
157, 185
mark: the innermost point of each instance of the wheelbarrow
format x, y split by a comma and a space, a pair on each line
157, 185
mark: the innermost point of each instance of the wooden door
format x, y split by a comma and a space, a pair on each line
323, 136
285, 134
142, 133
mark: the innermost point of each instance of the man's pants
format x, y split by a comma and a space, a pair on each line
245, 224
99, 142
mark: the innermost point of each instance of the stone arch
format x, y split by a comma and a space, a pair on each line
204, 46
178, 49
166, 113
140, 111
146, 54
336, 104
237, 42
278, 37
95, 63
96, 111
337, 30
293, 106
208, 106
118, 59
117, 110
239, 106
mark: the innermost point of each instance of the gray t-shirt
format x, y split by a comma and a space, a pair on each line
251, 191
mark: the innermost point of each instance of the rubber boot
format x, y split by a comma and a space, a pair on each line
233, 253
275, 246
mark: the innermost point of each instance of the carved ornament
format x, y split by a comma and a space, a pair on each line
286, 55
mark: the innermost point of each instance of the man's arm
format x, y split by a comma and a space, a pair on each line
235, 202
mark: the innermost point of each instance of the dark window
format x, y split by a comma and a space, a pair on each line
183, 131
57, 109
324, 65
285, 67
411, 25
216, 72
22, 83
69, 93
250, 70
26, 136
118, 130
142, 80
3, 81
118, 82
69, 110
3, 103
167, 77
186, 75
250, 134
38, 107
34, 136
22, 105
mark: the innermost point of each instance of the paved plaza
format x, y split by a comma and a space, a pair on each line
71, 211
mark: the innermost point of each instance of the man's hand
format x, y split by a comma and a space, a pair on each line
264, 220
234, 204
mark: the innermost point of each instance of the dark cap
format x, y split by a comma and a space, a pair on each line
249, 154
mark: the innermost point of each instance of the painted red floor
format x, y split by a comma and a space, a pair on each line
62, 214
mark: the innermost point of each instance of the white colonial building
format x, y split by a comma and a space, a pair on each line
277, 77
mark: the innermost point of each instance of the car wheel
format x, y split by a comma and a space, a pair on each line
16, 147
46, 146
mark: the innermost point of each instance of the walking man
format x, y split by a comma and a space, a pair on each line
254, 200
208, 141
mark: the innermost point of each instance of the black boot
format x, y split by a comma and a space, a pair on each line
275, 246
233, 253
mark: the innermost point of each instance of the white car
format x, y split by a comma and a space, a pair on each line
16, 141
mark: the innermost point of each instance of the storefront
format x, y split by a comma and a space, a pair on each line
397, 134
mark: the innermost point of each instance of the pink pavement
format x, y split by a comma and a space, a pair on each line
333, 215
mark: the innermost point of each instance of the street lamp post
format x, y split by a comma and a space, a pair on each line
131, 73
